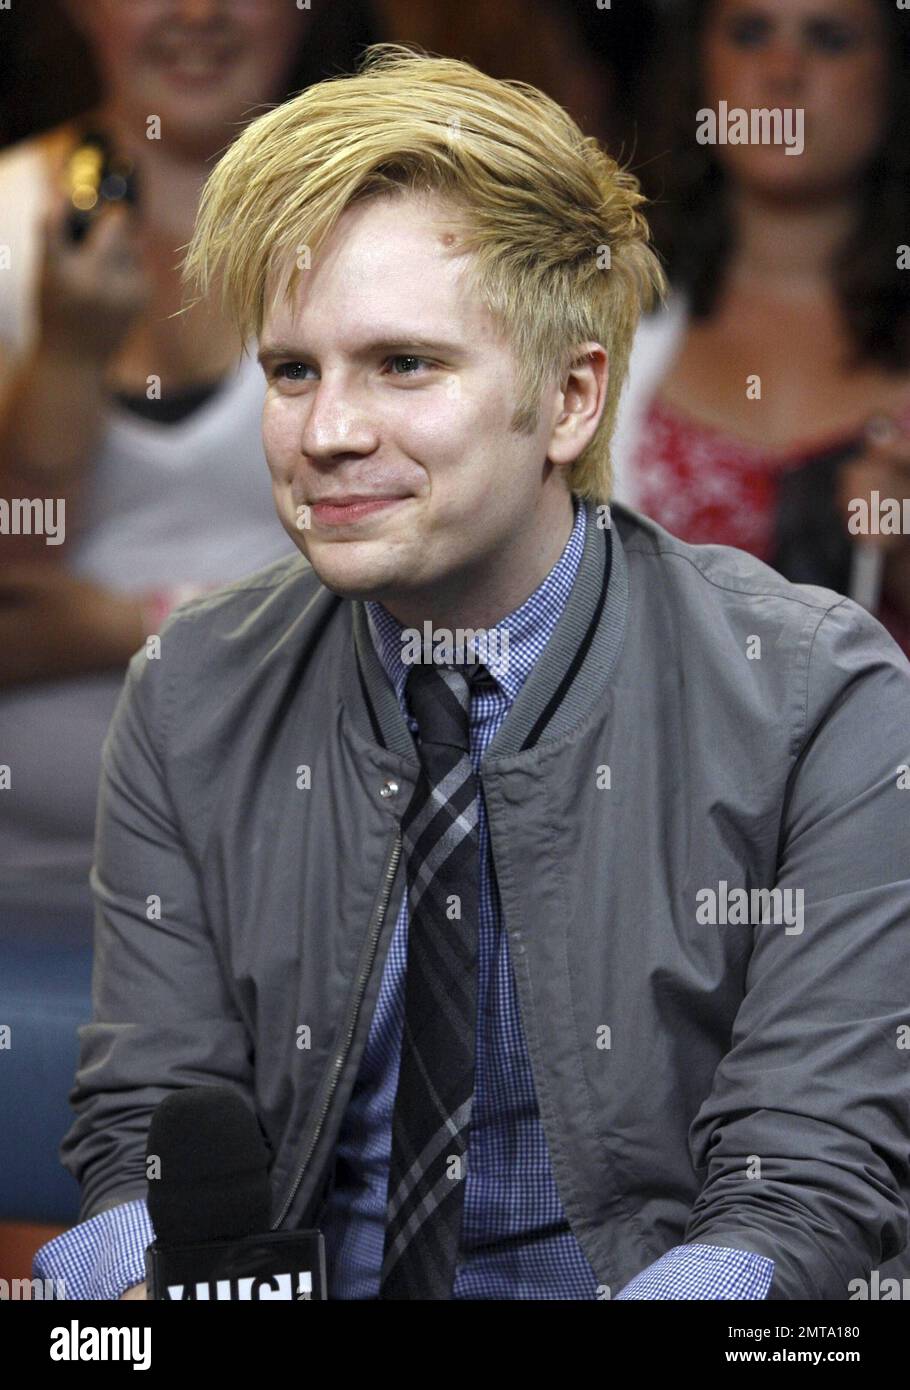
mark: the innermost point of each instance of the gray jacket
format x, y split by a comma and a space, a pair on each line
697, 729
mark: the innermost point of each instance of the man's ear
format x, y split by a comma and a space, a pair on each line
580, 403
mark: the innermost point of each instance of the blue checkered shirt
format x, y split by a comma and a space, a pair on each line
517, 1243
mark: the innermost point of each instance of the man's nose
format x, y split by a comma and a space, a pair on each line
336, 423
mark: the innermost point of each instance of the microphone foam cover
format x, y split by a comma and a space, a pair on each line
214, 1168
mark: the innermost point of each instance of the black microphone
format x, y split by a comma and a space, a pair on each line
210, 1204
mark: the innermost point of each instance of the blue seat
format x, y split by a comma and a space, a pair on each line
45, 994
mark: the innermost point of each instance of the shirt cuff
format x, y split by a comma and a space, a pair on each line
99, 1258
703, 1271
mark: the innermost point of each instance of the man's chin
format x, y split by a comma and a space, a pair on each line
351, 580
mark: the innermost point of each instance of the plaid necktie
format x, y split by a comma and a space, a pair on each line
432, 1112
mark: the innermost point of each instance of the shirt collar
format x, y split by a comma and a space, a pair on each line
528, 628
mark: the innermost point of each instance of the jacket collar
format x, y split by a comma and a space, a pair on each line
574, 667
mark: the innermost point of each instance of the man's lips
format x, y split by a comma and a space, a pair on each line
351, 506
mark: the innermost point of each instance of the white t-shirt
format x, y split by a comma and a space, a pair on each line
166, 504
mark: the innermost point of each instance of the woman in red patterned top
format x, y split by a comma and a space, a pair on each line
787, 394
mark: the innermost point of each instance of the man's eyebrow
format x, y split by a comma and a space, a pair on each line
271, 352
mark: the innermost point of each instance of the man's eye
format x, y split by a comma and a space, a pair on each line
295, 371
284, 370
408, 357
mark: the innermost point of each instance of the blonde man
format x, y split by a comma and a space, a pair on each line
571, 848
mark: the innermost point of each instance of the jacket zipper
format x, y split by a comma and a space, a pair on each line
339, 1062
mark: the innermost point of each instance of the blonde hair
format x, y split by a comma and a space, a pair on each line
561, 250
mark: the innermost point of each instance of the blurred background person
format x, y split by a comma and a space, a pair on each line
141, 422
775, 386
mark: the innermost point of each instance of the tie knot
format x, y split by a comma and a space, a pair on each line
440, 697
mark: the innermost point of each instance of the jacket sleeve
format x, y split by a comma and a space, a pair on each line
162, 1012
805, 1135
